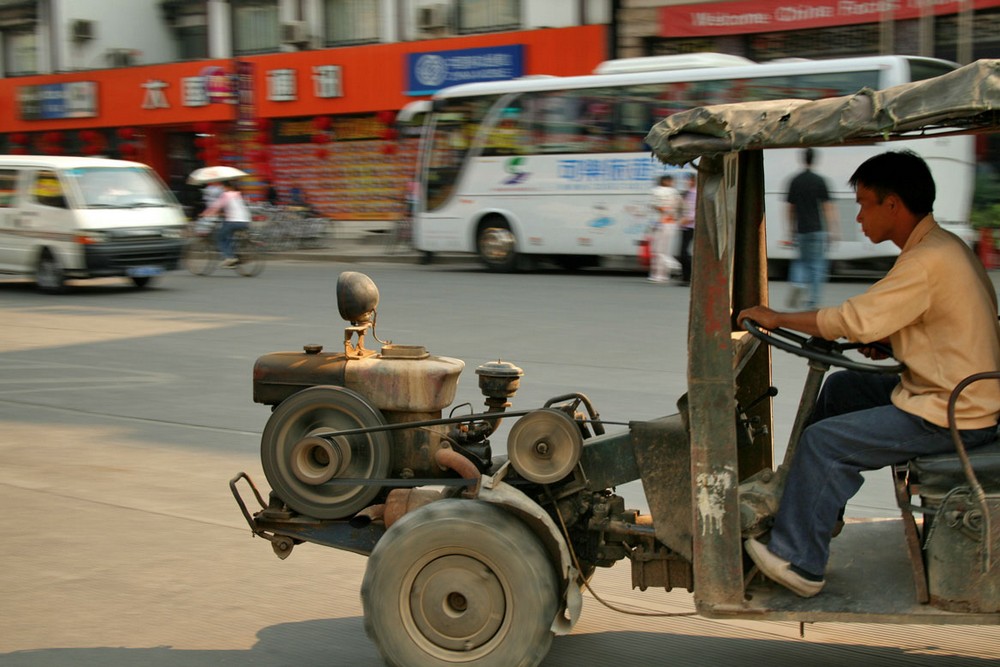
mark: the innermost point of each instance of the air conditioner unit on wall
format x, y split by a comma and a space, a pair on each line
81, 30
120, 57
294, 32
432, 17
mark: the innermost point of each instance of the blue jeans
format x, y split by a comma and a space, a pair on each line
227, 246
811, 269
854, 427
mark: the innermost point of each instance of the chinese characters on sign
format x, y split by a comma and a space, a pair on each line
586, 173
328, 81
281, 85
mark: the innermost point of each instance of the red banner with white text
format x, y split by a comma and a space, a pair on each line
751, 16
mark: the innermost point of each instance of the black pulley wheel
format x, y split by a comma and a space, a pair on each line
303, 464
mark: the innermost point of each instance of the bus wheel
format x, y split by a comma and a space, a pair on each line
49, 276
497, 246
460, 582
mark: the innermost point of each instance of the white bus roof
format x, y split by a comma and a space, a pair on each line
668, 63
965, 98
699, 74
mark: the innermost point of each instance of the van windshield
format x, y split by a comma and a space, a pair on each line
119, 187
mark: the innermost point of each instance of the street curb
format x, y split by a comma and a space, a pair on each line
335, 255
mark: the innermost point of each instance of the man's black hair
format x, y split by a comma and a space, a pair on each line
902, 173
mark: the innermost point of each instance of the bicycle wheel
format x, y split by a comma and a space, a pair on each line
250, 254
200, 256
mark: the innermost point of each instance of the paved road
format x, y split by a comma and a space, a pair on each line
125, 413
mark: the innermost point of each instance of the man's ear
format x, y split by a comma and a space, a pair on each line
893, 202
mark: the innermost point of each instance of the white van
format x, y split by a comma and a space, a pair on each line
79, 217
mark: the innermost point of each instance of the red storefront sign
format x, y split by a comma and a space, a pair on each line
749, 16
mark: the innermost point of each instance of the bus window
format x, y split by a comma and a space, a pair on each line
507, 136
571, 121
456, 125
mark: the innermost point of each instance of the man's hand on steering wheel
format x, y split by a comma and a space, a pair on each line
878, 351
766, 318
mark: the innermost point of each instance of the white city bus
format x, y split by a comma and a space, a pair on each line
557, 167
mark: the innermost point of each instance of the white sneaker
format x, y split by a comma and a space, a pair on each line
232, 261
780, 571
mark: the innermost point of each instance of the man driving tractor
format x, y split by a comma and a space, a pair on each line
937, 310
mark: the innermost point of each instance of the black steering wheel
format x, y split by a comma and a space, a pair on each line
824, 351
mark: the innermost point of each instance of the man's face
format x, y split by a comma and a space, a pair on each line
875, 217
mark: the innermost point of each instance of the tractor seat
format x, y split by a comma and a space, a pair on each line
944, 471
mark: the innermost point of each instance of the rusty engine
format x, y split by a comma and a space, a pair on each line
359, 435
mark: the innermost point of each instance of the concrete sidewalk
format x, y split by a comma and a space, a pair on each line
365, 242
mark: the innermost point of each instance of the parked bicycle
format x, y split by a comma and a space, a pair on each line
203, 257
288, 227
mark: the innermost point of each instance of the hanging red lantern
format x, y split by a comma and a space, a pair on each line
126, 133
319, 138
321, 123
127, 150
385, 117
19, 150
203, 127
389, 149
19, 138
322, 153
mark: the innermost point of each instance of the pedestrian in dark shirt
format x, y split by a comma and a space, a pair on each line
812, 222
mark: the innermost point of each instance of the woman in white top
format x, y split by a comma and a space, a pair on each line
236, 216
667, 204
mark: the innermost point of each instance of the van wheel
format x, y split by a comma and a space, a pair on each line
49, 275
142, 281
497, 245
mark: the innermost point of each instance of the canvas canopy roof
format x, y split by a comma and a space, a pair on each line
967, 99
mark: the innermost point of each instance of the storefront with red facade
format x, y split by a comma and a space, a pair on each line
321, 121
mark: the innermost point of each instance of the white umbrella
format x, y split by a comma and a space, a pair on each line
217, 174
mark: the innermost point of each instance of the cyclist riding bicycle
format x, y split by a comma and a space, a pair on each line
236, 217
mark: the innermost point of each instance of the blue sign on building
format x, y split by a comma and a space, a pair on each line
429, 72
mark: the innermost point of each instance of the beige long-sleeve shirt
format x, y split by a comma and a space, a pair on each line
938, 308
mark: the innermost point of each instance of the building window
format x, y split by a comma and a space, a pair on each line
255, 26
488, 15
351, 22
192, 42
20, 53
